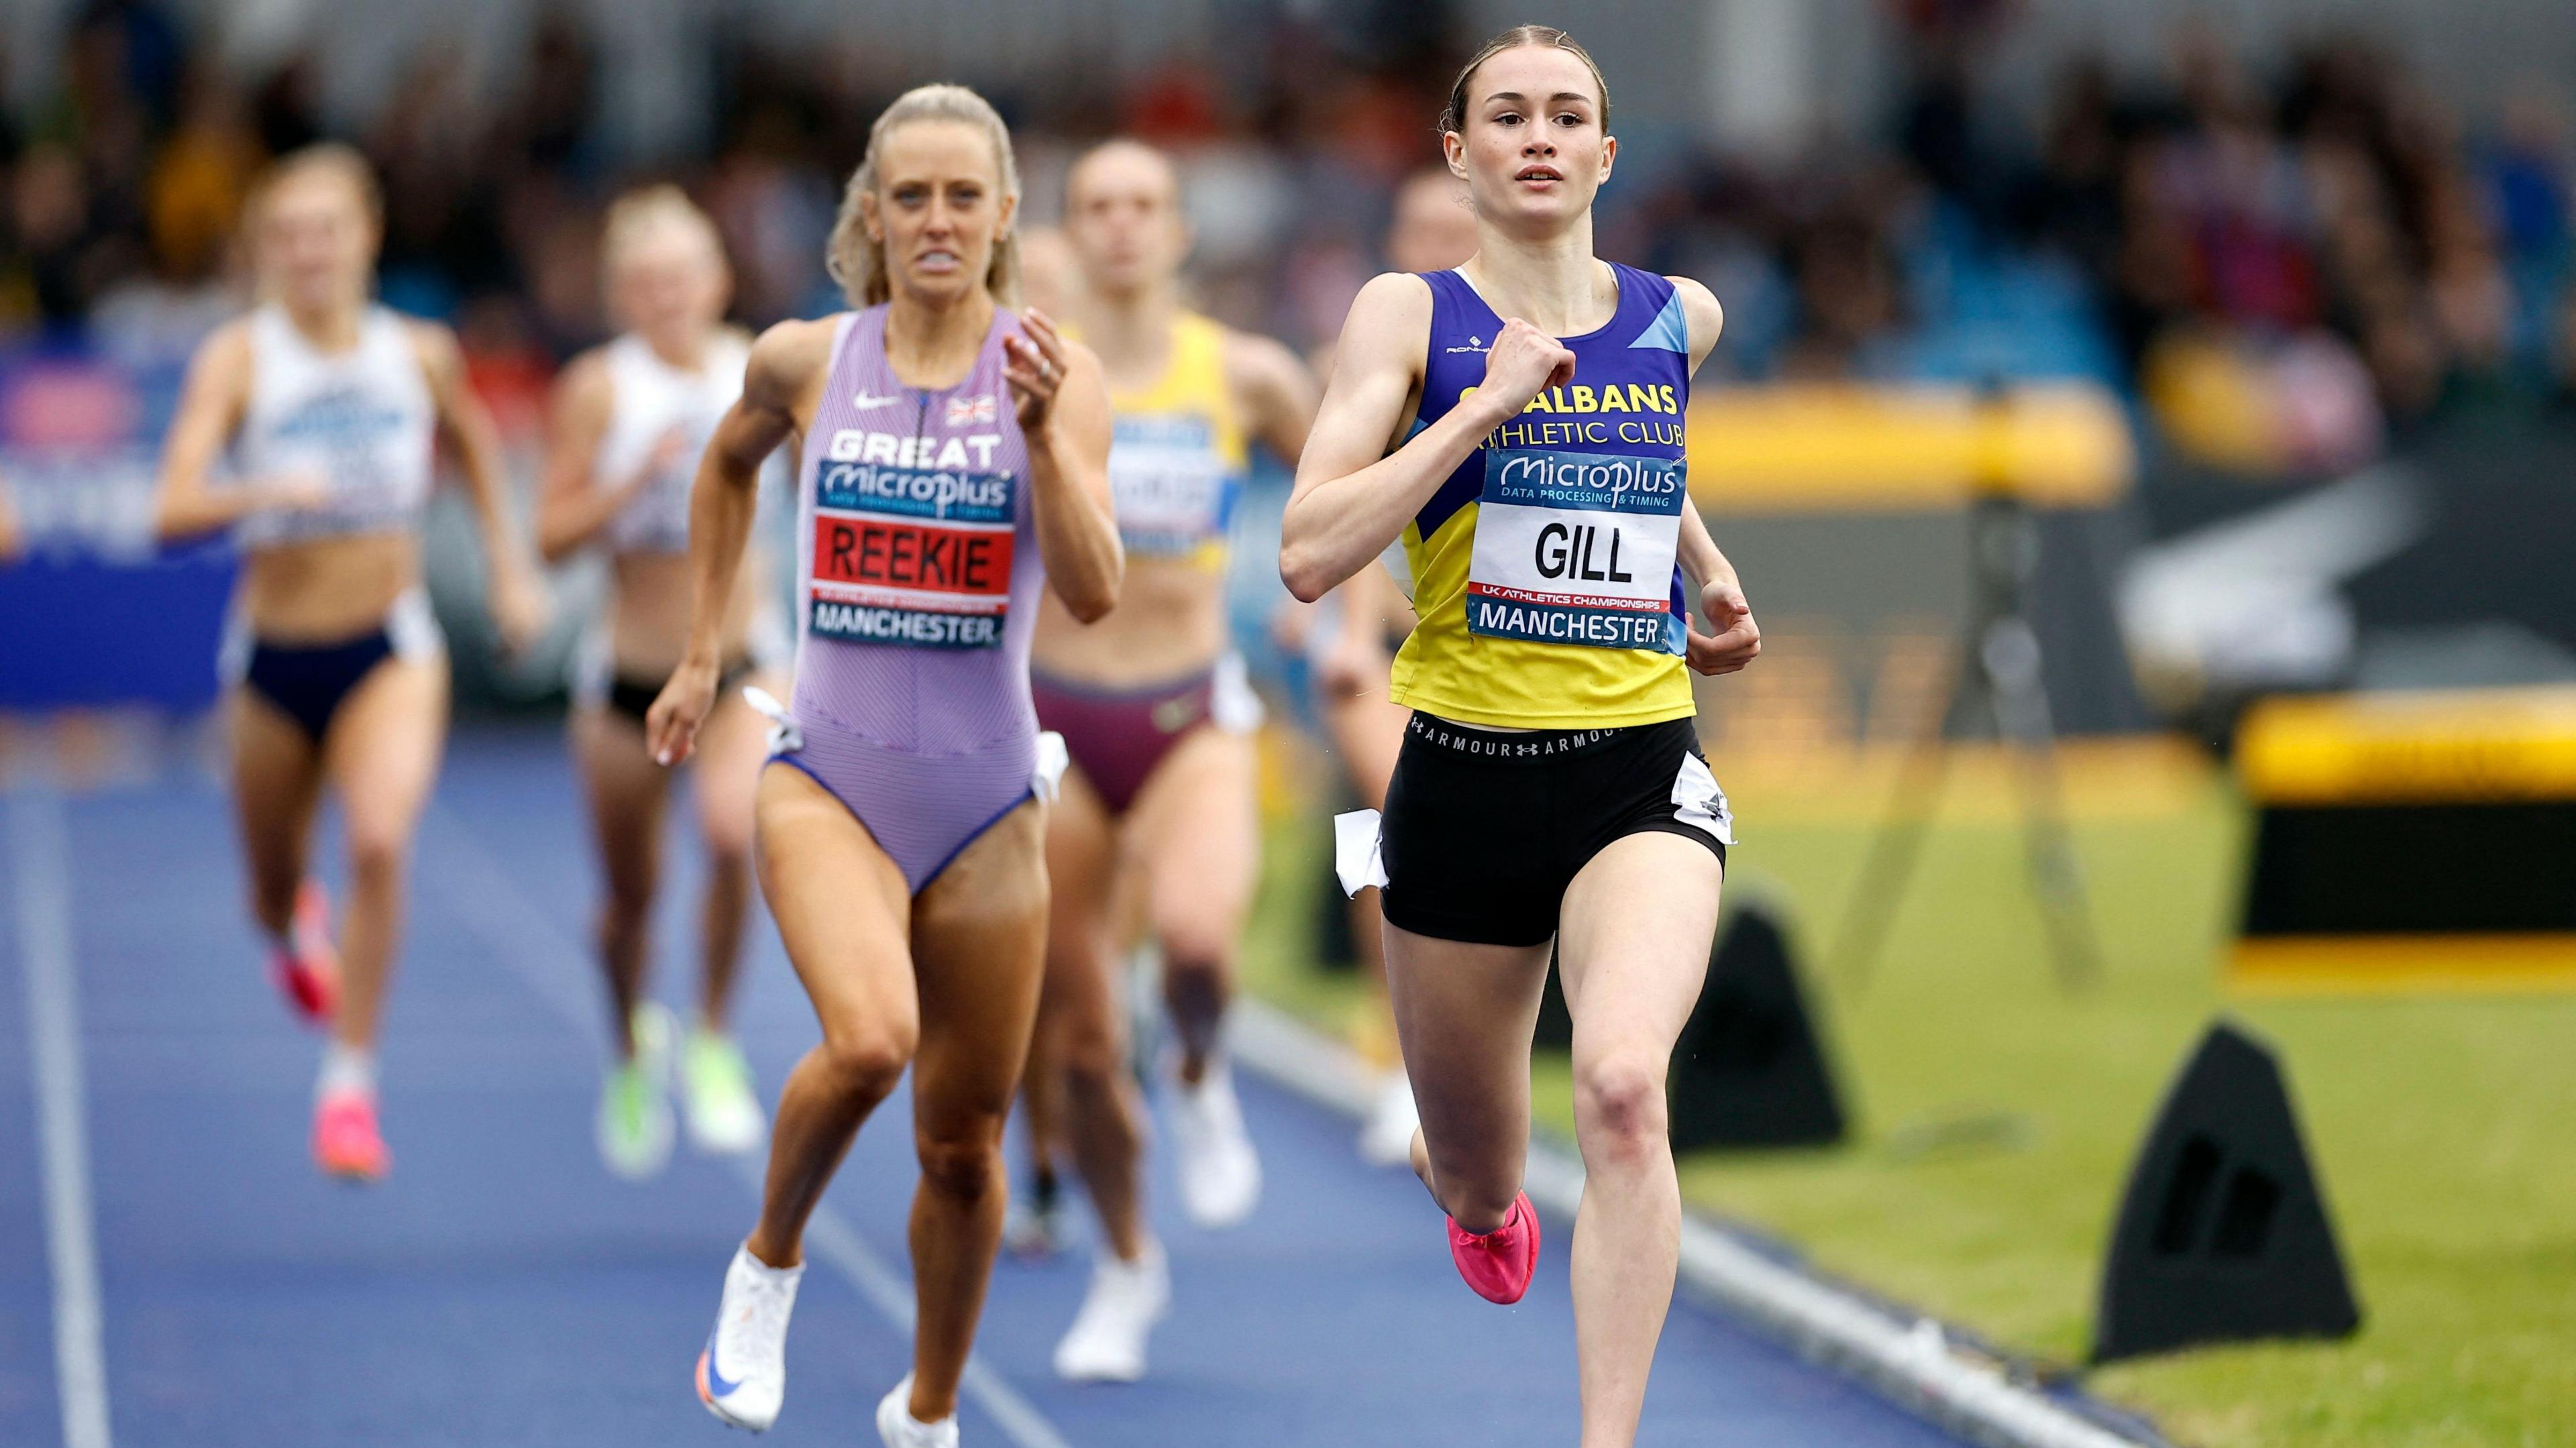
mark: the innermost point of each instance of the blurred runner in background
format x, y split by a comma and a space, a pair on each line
630, 422
1352, 645
1159, 805
331, 405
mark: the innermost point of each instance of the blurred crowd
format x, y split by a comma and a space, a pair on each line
2288, 267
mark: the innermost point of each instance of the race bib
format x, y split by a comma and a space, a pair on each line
920, 558
1173, 492
1577, 548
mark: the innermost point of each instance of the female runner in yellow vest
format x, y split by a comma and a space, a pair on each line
1517, 422
1156, 716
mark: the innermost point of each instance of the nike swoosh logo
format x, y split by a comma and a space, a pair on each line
864, 402
715, 1376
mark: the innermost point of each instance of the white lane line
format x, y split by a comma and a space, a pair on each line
1909, 1363
38, 850
498, 910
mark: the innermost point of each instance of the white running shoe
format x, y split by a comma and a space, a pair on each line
634, 1100
899, 1429
742, 1375
1106, 1343
1387, 1139
1220, 1172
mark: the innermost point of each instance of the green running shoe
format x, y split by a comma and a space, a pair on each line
634, 1102
715, 1086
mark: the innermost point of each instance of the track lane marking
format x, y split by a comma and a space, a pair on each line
40, 867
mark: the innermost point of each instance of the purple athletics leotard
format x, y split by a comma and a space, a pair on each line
917, 581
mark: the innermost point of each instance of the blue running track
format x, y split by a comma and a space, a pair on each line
502, 1288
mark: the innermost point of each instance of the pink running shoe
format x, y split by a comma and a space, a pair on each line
346, 1143
307, 970
1499, 1264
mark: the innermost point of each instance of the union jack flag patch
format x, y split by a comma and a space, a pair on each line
963, 411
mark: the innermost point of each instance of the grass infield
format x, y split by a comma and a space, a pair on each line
1997, 1115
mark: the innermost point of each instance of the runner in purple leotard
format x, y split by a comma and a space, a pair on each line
954, 457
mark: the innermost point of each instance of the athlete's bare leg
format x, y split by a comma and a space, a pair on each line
979, 935
628, 796
846, 917
382, 753
1084, 1016
1465, 1015
1197, 833
725, 778
1637, 923
277, 784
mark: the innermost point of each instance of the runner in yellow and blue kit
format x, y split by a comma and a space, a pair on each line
1518, 423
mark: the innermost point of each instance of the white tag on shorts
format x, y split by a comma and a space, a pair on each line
1698, 802
1053, 758
783, 735
1355, 851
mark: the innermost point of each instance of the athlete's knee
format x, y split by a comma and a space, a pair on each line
378, 851
1198, 958
868, 1057
963, 1167
1619, 1104
1090, 1052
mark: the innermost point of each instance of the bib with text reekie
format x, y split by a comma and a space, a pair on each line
913, 541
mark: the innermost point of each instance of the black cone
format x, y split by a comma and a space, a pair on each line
1750, 1068
2223, 1234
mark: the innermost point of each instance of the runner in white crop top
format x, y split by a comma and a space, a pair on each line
630, 421
330, 405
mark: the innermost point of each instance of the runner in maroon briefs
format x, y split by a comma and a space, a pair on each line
1159, 806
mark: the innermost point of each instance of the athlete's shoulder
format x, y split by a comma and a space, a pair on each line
788, 356
1255, 363
1390, 318
434, 344
228, 345
586, 378
1702, 310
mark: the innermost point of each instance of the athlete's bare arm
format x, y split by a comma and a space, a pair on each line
516, 601
211, 404
8, 527
574, 503
1734, 639
779, 384
1353, 495
1063, 404
1273, 393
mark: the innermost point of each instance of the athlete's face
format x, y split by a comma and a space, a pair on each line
1435, 228
1532, 150
316, 241
669, 285
939, 208
1123, 216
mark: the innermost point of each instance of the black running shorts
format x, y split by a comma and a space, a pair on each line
1483, 830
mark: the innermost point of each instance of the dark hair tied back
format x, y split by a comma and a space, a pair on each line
1455, 117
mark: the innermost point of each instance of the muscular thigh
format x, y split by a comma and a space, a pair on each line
1637, 925
1196, 830
841, 906
627, 789
979, 938
384, 744
726, 773
277, 769
1465, 1014
1084, 871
